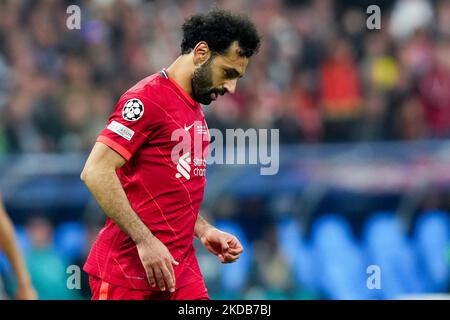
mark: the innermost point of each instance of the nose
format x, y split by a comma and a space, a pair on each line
230, 86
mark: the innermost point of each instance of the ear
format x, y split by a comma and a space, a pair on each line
201, 53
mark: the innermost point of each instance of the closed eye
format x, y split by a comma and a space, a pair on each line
231, 73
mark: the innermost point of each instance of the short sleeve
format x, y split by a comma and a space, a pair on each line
133, 120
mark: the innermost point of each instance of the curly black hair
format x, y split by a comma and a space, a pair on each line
219, 29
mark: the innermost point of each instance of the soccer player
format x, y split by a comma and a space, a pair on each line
8, 244
150, 190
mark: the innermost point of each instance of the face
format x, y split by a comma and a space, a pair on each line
218, 75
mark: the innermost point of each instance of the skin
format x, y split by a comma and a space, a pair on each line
225, 69
8, 244
99, 173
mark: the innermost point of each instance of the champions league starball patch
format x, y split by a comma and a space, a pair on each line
133, 110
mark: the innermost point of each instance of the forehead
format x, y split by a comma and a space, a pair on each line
232, 59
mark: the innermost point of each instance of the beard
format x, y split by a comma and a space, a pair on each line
202, 85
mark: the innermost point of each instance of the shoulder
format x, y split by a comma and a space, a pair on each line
150, 88
146, 94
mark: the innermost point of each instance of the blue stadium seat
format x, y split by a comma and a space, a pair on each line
235, 276
390, 249
297, 253
432, 240
70, 240
339, 260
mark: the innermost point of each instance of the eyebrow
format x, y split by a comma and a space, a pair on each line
233, 73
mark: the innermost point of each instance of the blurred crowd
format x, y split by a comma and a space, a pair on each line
322, 75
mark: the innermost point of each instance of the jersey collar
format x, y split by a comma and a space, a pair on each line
191, 101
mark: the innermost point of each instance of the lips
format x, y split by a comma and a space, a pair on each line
213, 96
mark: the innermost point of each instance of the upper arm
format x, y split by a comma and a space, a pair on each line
101, 158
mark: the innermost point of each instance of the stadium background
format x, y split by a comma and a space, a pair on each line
364, 120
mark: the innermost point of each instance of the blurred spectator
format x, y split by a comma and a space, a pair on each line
47, 269
434, 92
272, 269
253, 218
443, 17
92, 231
373, 117
340, 92
316, 77
408, 16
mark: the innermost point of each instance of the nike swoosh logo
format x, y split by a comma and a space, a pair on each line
188, 128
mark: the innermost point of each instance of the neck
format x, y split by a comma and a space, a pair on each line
181, 71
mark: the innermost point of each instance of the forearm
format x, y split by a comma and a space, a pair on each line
108, 191
8, 244
201, 226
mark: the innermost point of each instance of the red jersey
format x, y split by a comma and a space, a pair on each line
162, 133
